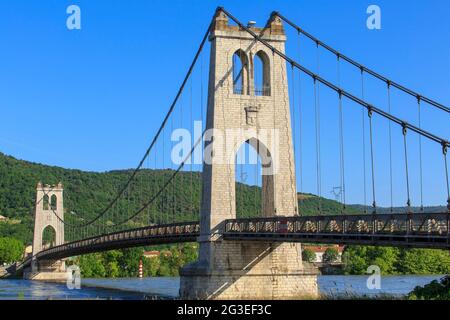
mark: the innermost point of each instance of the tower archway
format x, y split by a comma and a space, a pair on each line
254, 180
48, 217
48, 237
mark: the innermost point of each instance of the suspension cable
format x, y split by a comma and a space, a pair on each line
316, 107
341, 141
360, 66
342, 155
444, 152
335, 88
274, 114
164, 195
162, 189
191, 120
319, 161
408, 202
243, 146
167, 183
300, 147
374, 203
292, 115
158, 133
363, 118
420, 152
293, 109
148, 186
171, 162
390, 149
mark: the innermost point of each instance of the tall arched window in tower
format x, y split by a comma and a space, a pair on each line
240, 72
261, 74
53, 204
45, 202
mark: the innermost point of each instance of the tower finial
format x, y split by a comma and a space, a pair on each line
221, 21
275, 24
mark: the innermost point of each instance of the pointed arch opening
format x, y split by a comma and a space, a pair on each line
46, 202
53, 202
240, 72
48, 237
254, 181
261, 74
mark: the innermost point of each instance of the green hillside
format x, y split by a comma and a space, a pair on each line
87, 193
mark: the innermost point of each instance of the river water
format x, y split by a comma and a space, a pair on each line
166, 287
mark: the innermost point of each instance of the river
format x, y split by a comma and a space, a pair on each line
166, 287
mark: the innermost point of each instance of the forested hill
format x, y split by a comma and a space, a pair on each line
87, 193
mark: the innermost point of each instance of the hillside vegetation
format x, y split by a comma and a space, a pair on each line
87, 193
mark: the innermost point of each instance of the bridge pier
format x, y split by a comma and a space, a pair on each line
249, 270
46, 270
49, 213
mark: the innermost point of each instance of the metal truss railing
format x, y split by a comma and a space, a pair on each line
428, 230
155, 234
413, 230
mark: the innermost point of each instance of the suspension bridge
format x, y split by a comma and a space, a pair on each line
261, 98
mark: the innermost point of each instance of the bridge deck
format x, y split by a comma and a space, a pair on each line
424, 230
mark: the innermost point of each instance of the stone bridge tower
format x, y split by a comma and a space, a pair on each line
48, 207
258, 114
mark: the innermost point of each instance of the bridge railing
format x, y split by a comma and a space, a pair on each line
413, 224
419, 227
138, 236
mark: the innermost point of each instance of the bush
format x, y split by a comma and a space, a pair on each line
396, 260
436, 290
11, 250
308, 255
331, 255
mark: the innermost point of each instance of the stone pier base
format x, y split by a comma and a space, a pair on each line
247, 287
248, 271
46, 276
51, 271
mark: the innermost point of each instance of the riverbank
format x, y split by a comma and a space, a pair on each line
19, 289
331, 287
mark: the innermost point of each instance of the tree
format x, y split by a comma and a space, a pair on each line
110, 260
11, 250
151, 266
91, 265
386, 258
355, 260
308, 255
436, 290
424, 261
331, 255
129, 261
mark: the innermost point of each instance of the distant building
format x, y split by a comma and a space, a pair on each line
155, 253
27, 252
320, 250
151, 254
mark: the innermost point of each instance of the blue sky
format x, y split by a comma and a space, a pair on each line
93, 98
